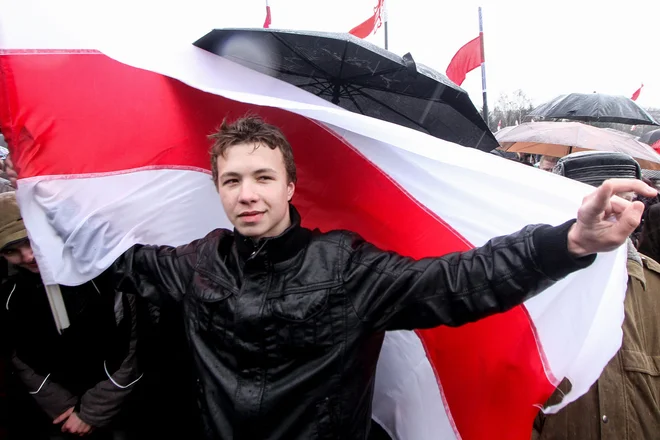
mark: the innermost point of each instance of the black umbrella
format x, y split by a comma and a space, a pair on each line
360, 77
594, 107
651, 137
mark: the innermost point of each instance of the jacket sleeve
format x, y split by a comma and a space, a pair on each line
537, 428
157, 273
99, 405
391, 292
51, 397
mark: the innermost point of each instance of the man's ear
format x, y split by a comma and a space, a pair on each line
290, 189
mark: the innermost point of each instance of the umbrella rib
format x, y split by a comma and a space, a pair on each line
324, 90
304, 59
390, 109
367, 75
316, 83
343, 60
410, 95
350, 95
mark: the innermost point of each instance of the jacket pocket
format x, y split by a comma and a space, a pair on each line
642, 377
301, 321
211, 314
635, 361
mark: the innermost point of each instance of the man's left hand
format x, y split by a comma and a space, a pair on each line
76, 426
605, 221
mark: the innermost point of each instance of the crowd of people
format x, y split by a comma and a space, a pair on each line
178, 342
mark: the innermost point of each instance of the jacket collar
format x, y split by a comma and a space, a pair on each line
275, 249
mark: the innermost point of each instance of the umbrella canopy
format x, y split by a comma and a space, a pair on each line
651, 138
360, 77
594, 107
561, 138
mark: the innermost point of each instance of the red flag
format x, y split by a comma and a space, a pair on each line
636, 94
466, 59
268, 20
656, 147
371, 24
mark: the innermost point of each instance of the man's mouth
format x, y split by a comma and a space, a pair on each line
251, 216
31, 266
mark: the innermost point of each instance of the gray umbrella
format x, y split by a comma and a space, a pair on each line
651, 137
594, 107
360, 77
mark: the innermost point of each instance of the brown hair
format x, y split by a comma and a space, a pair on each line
247, 130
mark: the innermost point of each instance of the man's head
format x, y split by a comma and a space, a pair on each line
595, 167
547, 163
14, 244
255, 174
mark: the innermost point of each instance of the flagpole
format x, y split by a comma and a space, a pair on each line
483, 67
384, 17
385, 36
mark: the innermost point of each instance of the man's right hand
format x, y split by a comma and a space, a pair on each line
8, 167
62, 417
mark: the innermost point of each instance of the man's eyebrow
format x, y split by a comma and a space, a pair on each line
229, 174
265, 170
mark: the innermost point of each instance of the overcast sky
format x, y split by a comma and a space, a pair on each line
544, 48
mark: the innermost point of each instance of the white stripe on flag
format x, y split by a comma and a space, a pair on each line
166, 198
407, 399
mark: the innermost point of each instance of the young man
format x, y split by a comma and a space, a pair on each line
80, 379
286, 324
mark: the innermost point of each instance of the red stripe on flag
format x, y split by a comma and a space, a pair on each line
78, 114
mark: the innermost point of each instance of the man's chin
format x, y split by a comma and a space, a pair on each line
250, 231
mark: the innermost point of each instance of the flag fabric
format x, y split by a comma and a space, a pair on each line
656, 146
637, 93
466, 59
112, 150
371, 24
268, 20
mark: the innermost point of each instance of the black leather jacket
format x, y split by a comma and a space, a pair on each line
286, 332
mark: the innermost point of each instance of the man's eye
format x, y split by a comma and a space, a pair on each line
264, 178
230, 181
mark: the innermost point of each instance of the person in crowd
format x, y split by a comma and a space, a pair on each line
624, 403
547, 163
77, 382
649, 241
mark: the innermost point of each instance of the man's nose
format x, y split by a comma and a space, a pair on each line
247, 193
26, 255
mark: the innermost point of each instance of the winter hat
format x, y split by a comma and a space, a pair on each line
594, 167
12, 228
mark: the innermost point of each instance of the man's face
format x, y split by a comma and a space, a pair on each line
547, 165
254, 190
20, 254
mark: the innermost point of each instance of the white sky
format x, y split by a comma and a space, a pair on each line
544, 48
